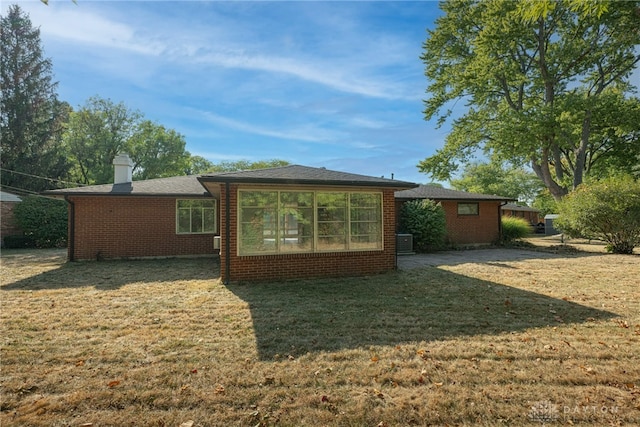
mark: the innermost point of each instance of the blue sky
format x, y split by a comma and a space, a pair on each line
333, 84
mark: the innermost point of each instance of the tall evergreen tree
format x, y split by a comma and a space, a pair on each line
31, 117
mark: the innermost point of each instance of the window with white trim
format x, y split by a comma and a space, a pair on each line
272, 222
196, 216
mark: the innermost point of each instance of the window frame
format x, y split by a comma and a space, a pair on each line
213, 208
477, 208
316, 246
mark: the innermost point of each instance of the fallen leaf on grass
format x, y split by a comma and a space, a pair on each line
324, 399
187, 424
113, 383
375, 358
630, 385
622, 323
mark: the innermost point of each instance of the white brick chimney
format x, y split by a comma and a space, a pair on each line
123, 169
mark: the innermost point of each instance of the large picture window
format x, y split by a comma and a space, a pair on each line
196, 216
308, 221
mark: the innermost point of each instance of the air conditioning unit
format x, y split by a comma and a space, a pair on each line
404, 244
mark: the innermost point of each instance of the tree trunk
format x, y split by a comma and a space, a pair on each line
581, 151
541, 168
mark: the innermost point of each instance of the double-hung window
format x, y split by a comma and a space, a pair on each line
308, 221
196, 216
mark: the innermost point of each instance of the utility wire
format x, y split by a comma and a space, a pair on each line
23, 192
44, 177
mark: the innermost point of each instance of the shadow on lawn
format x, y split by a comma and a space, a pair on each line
109, 275
294, 318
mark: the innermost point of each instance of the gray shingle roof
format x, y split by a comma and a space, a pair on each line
9, 197
190, 185
296, 174
514, 207
438, 193
174, 186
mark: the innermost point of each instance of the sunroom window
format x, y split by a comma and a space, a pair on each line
308, 221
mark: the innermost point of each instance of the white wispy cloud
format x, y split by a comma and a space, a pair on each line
308, 133
229, 47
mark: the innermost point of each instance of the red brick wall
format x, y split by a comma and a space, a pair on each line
8, 226
121, 227
290, 266
470, 229
473, 229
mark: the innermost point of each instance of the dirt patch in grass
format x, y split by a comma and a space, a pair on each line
561, 244
164, 342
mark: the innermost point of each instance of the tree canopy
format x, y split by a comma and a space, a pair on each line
546, 85
101, 129
494, 178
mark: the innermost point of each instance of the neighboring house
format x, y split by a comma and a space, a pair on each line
8, 225
287, 222
532, 215
472, 219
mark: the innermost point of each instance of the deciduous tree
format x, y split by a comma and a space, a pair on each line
495, 178
546, 84
101, 129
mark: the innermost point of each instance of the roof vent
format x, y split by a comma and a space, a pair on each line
122, 169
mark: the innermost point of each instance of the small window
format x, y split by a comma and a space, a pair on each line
196, 216
468, 209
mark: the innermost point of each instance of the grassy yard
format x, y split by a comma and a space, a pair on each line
165, 343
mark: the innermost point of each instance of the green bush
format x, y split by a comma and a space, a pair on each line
425, 219
514, 228
43, 220
608, 210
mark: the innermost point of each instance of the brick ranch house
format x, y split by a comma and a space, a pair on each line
471, 219
532, 215
279, 223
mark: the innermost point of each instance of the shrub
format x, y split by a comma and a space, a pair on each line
608, 210
43, 220
514, 228
425, 219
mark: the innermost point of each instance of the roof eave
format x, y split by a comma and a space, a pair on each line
311, 182
90, 194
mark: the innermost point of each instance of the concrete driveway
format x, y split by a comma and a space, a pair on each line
408, 262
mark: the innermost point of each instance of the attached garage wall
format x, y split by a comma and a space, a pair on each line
483, 228
469, 229
130, 227
308, 265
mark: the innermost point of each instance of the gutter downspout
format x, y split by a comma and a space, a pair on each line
227, 234
72, 230
500, 220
